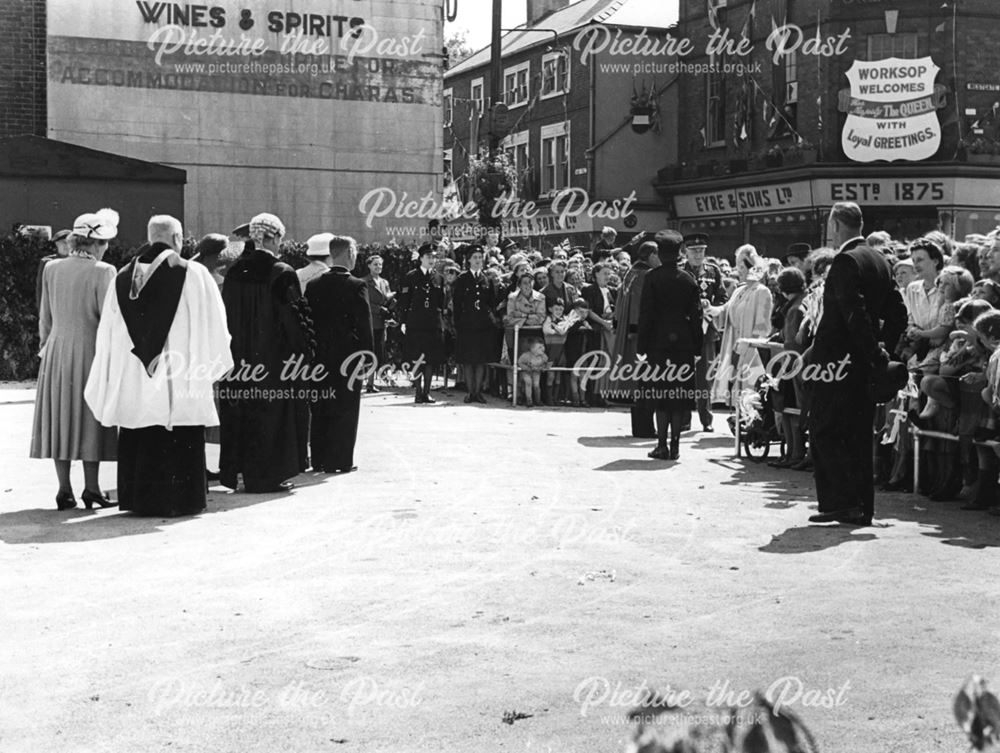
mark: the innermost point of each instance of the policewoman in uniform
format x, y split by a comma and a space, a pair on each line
474, 298
708, 277
421, 312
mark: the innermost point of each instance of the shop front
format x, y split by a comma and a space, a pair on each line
775, 209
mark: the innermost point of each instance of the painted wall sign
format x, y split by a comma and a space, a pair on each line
751, 200
892, 110
868, 192
298, 107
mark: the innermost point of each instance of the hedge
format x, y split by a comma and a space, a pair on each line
21, 255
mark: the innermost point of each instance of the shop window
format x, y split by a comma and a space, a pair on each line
882, 46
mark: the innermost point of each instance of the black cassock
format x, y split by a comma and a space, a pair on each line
474, 299
264, 425
342, 320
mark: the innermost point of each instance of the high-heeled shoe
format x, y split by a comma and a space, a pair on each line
102, 500
65, 501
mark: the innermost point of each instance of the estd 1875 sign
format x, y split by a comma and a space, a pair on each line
892, 110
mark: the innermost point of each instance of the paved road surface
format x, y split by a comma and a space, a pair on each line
484, 561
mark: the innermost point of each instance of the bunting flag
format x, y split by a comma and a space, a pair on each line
713, 15
474, 119
941, 27
748, 22
743, 117
819, 76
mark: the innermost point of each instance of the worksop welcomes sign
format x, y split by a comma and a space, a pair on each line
892, 110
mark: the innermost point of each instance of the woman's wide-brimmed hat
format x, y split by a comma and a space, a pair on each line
101, 225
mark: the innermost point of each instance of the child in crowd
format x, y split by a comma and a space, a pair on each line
987, 290
576, 345
987, 327
965, 355
953, 283
554, 328
903, 273
531, 364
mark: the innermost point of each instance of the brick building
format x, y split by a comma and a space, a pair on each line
570, 91
282, 112
22, 69
769, 148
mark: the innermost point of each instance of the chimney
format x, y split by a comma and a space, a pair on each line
538, 9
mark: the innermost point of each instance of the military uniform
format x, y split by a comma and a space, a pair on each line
421, 309
709, 280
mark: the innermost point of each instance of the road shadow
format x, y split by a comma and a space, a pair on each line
618, 441
782, 488
946, 521
707, 441
50, 526
636, 464
815, 538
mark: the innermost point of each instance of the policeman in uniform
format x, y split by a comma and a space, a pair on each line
708, 276
421, 312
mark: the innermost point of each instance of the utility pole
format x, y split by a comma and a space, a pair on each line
496, 76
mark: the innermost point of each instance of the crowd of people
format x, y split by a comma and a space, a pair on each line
262, 346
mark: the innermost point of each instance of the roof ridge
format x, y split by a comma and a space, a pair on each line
609, 11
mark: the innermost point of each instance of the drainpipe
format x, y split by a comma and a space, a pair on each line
589, 154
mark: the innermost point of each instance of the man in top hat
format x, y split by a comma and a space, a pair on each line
708, 277
342, 318
318, 253
421, 314
796, 255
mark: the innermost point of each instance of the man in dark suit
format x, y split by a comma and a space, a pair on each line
863, 317
670, 335
343, 323
601, 300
